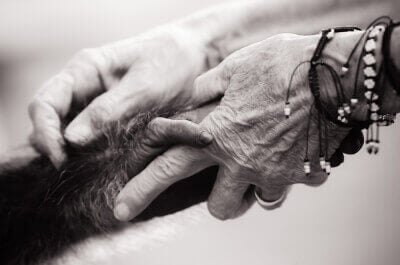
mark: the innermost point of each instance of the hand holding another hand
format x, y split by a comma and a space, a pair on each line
254, 144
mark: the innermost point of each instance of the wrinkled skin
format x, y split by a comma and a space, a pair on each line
254, 144
116, 82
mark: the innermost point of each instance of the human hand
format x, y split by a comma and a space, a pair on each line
254, 143
115, 82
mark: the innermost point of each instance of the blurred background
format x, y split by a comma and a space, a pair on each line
354, 218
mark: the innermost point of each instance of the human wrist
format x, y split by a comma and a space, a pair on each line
336, 53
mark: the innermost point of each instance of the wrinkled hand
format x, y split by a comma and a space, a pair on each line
116, 82
253, 142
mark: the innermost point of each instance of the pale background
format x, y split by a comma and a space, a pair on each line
352, 219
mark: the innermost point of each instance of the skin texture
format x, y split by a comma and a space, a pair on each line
254, 143
121, 79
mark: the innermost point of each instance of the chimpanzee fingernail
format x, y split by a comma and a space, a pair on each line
205, 138
122, 212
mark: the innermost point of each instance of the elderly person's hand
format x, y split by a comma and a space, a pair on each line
254, 143
118, 81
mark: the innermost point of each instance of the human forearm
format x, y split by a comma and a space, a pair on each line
229, 27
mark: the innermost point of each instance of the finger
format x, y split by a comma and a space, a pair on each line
337, 158
79, 81
49, 106
175, 164
134, 94
210, 85
353, 142
248, 201
271, 194
162, 131
226, 198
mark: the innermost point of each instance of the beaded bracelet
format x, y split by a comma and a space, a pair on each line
374, 79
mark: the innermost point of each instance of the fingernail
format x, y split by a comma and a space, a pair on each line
205, 138
78, 134
122, 212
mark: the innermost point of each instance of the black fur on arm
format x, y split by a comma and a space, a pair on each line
44, 210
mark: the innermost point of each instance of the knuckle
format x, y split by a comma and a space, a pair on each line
87, 54
97, 57
101, 110
39, 104
164, 171
198, 82
34, 105
285, 36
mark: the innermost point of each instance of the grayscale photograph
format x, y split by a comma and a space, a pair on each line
212, 132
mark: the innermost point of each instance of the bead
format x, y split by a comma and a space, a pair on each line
287, 110
370, 45
307, 167
375, 31
374, 107
374, 116
373, 34
346, 108
369, 83
327, 168
353, 101
370, 96
384, 123
369, 72
386, 120
340, 111
344, 120
345, 69
373, 147
370, 148
380, 28
369, 59
322, 162
376, 149
330, 34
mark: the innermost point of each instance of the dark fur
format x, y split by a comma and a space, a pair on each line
43, 210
